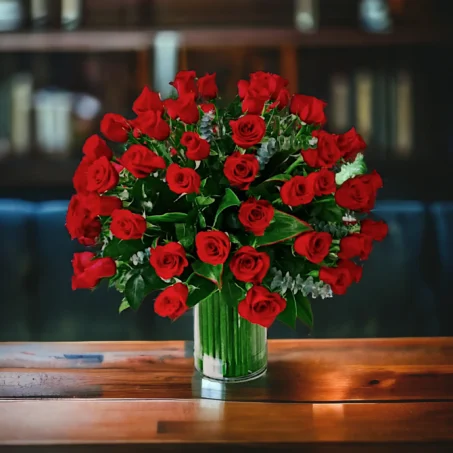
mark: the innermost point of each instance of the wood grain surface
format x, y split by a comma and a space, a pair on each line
203, 423
417, 369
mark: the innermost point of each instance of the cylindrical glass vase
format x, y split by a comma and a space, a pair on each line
227, 347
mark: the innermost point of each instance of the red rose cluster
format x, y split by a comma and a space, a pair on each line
193, 196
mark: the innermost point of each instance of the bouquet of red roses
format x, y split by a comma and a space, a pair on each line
253, 204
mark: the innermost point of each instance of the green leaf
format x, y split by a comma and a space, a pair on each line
203, 289
327, 210
299, 161
231, 292
169, 217
152, 281
284, 226
135, 291
201, 220
304, 312
185, 233
289, 314
208, 271
204, 201
238, 238
124, 305
229, 199
281, 178
118, 248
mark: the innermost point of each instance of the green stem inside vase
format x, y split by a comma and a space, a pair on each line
226, 345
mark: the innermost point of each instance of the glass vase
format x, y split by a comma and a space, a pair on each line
227, 348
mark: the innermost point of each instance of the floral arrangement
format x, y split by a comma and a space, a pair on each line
254, 203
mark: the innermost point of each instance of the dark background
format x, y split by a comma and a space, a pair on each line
59, 76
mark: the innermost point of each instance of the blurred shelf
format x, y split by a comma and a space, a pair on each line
37, 172
136, 40
76, 41
341, 37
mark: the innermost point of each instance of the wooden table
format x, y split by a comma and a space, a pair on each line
318, 395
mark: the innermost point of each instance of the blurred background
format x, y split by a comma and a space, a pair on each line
382, 65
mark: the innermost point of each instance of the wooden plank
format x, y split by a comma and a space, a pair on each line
332, 37
201, 422
140, 39
289, 67
77, 41
417, 369
142, 69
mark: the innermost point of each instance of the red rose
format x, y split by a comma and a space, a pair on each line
256, 215
241, 169
339, 278
282, 100
377, 230
323, 182
309, 109
207, 107
354, 269
327, 153
356, 195
356, 244
172, 108
314, 246
256, 93
310, 157
184, 108
172, 301
152, 124
213, 247
250, 266
350, 144
260, 306
115, 127
88, 270
197, 147
185, 82
89, 233
148, 100
373, 179
280, 85
207, 87
95, 147
297, 191
248, 130
141, 161
81, 223
100, 205
101, 176
183, 180
265, 81
79, 180
127, 225
103, 205
168, 260
118, 167
254, 102
243, 87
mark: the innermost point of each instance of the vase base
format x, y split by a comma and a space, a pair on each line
237, 379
